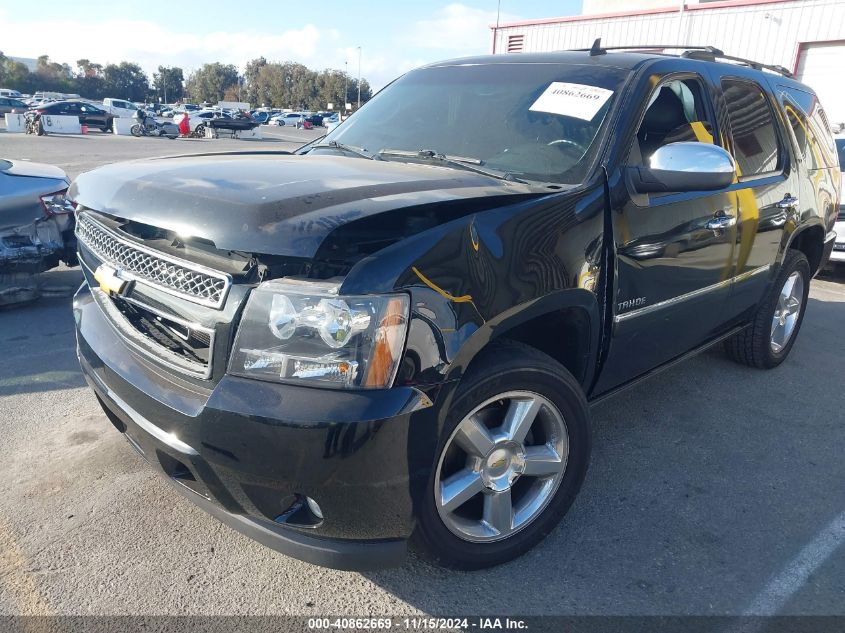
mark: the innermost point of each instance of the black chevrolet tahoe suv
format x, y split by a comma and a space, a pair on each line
394, 334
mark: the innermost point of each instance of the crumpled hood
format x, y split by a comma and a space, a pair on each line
271, 203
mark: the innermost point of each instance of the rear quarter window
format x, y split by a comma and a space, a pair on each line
817, 128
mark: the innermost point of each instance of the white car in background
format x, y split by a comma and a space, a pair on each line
838, 254
120, 107
293, 119
198, 120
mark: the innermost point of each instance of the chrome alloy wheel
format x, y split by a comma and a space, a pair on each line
501, 466
787, 311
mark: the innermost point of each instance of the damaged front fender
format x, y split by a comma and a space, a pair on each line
32, 238
26, 251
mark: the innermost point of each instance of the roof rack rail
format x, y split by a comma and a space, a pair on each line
598, 49
706, 56
704, 53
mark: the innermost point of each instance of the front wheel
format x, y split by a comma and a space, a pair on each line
200, 131
135, 130
513, 455
767, 341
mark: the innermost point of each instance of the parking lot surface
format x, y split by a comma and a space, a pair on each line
79, 153
714, 489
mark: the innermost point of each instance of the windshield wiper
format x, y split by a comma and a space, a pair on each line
459, 162
358, 151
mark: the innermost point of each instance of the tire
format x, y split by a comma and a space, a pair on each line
502, 375
135, 130
172, 137
200, 130
758, 345
39, 128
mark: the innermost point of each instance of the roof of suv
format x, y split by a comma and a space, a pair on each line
625, 59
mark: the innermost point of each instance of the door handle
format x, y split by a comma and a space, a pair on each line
721, 222
788, 202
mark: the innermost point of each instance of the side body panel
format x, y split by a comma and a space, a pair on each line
767, 205
672, 273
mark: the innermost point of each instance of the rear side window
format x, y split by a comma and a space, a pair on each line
755, 141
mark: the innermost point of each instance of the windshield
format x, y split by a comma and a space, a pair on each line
536, 121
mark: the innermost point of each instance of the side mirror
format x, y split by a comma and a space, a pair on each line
685, 166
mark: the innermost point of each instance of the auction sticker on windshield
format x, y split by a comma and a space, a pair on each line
575, 100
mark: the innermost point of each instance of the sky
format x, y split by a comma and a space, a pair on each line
394, 36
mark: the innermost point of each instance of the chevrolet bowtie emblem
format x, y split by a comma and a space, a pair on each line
108, 279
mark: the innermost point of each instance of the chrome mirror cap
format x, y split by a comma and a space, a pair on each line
684, 166
692, 157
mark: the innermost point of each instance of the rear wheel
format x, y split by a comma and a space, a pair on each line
514, 453
768, 340
200, 131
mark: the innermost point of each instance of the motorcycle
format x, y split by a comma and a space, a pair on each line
33, 124
146, 125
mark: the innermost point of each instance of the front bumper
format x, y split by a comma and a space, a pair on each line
249, 452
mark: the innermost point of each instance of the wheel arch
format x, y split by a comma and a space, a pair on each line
809, 239
565, 325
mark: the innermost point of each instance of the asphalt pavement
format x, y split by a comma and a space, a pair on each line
714, 489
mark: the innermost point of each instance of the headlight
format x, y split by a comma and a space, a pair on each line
303, 331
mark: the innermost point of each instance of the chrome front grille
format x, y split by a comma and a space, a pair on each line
138, 263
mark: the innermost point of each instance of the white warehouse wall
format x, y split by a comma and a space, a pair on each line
768, 32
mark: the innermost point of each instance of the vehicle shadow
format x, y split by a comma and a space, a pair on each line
37, 340
703, 483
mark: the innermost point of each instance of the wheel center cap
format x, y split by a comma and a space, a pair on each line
502, 466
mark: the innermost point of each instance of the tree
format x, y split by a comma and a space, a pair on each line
86, 68
233, 93
53, 76
253, 68
168, 83
126, 81
210, 82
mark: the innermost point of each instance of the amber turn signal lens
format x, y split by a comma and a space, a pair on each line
388, 339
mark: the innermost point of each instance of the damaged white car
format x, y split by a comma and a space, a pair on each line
36, 227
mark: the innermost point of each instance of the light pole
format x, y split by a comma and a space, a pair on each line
359, 78
345, 88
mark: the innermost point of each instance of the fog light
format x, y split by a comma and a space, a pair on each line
314, 507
